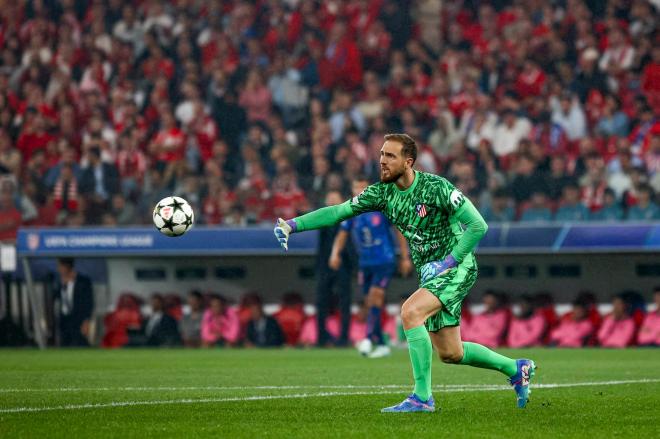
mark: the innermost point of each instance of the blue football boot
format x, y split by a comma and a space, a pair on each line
412, 404
520, 381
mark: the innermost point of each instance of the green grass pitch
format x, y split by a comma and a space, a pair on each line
318, 393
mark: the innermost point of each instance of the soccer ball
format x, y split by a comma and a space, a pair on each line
173, 216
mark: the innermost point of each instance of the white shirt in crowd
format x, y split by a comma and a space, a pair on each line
574, 123
506, 139
67, 297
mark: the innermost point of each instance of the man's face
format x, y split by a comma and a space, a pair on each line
358, 186
392, 163
63, 270
579, 312
618, 308
156, 304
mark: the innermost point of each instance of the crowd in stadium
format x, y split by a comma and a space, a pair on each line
533, 321
538, 110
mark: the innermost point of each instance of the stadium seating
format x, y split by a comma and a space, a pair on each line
250, 109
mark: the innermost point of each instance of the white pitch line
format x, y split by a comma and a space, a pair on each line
216, 388
312, 386
300, 396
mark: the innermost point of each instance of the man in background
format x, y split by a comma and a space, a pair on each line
76, 304
330, 280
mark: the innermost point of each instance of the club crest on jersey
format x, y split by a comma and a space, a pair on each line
421, 210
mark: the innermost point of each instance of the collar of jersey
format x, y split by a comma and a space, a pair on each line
412, 186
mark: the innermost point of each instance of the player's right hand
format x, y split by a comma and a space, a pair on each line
334, 262
282, 231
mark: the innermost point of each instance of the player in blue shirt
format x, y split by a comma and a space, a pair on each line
372, 236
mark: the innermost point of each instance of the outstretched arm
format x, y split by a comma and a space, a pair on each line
323, 217
370, 199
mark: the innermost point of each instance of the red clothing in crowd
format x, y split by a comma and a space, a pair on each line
131, 164
530, 83
651, 84
649, 333
616, 333
527, 332
341, 65
291, 320
28, 143
10, 220
287, 204
487, 329
225, 327
571, 333
172, 145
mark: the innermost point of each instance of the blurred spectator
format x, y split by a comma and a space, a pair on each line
558, 177
526, 180
568, 114
571, 209
157, 88
244, 311
124, 319
550, 135
98, 182
537, 210
255, 97
291, 317
611, 210
646, 209
649, 332
500, 209
618, 328
220, 324
191, 322
527, 326
613, 121
333, 283
263, 330
509, 132
160, 329
489, 327
575, 328
341, 64
75, 298
10, 217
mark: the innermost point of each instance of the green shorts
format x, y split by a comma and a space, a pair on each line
451, 288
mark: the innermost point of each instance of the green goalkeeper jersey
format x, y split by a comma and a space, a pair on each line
429, 214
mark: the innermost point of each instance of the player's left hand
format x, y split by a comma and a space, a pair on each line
405, 266
282, 231
438, 268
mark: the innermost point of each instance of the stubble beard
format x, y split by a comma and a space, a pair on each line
392, 177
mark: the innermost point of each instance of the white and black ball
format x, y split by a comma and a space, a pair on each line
173, 216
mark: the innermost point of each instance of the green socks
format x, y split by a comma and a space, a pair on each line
480, 356
421, 353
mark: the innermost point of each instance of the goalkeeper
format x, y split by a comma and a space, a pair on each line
428, 210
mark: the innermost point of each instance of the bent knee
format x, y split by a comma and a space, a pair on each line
412, 315
451, 357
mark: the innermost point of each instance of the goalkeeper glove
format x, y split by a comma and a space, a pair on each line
437, 268
282, 231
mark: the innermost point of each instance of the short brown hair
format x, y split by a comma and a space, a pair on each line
409, 146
